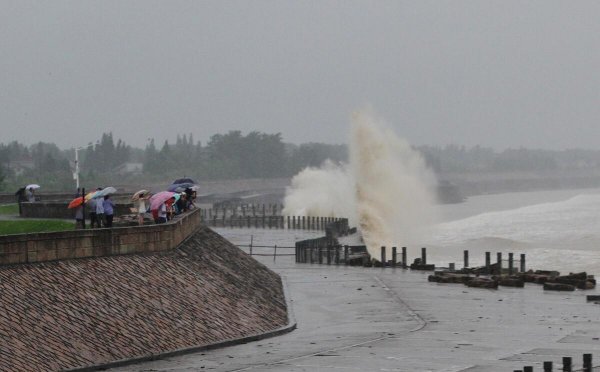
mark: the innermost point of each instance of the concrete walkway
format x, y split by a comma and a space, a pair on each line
357, 319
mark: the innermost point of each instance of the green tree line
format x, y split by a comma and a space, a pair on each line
235, 155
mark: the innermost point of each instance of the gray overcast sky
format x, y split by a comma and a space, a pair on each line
494, 73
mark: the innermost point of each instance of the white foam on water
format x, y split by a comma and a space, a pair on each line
559, 235
386, 190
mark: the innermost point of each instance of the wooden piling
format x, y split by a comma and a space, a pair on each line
346, 255
547, 366
288, 222
320, 250
394, 257
451, 266
303, 222
383, 256
510, 263
251, 241
567, 363
337, 254
528, 369
522, 262
404, 265
328, 254
587, 362
423, 256
488, 263
466, 259
499, 262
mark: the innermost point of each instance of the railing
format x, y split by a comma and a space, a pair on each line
273, 222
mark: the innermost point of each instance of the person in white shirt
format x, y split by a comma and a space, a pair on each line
141, 208
162, 213
100, 212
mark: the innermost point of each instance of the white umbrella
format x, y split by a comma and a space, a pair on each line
32, 186
105, 191
136, 196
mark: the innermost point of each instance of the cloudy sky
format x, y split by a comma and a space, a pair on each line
494, 73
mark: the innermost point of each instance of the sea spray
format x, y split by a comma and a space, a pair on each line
327, 191
386, 190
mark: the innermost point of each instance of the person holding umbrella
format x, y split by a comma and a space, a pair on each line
141, 197
31, 192
77, 204
108, 206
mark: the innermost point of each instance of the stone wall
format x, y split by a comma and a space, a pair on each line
7, 198
27, 248
58, 209
87, 312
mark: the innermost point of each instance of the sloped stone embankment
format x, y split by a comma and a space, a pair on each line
83, 312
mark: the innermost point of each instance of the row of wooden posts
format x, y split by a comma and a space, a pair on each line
271, 222
306, 250
567, 365
245, 210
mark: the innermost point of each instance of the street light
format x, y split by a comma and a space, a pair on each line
76, 172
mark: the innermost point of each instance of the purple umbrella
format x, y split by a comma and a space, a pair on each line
157, 199
178, 187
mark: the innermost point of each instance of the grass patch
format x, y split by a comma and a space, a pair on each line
9, 209
34, 226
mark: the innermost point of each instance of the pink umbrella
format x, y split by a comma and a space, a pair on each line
157, 199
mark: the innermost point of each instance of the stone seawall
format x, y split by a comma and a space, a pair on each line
58, 209
28, 248
84, 312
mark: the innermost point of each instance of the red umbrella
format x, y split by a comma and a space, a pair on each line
76, 202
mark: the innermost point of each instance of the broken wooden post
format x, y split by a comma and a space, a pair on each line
587, 362
466, 259
451, 266
423, 256
510, 264
337, 254
346, 255
499, 262
522, 262
567, 363
404, 265
320, 252
528, 369
547, 366
383, 256
394, 257
328, 254
488, 260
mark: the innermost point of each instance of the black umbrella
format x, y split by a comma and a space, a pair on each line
184, 180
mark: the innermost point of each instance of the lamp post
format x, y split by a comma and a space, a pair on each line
76, 172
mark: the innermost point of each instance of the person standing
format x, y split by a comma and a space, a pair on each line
79, 217
162, 214
141, 208
100, 212
93, 218
30, 195
108, 206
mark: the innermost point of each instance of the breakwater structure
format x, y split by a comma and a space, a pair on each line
507, 272
90, 299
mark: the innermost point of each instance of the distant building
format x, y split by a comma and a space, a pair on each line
20, 166
128, 169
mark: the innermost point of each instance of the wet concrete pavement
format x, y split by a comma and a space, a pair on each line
359, 319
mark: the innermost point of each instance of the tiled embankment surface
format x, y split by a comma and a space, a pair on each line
75, 313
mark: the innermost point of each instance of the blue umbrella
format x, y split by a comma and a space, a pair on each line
178, 187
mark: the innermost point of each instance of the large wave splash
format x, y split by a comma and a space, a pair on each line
386, 190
